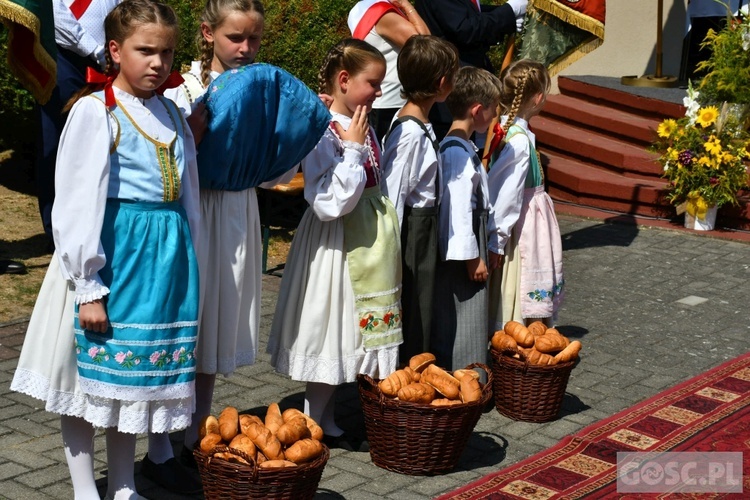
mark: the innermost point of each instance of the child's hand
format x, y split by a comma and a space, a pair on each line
358, 129
495, 260
198, 122
92, 316
477, 269
404, 5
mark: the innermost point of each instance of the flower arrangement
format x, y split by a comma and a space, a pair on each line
703, 155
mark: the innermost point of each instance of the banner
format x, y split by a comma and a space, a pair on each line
31, 44
559, 32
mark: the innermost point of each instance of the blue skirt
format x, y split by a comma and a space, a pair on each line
147, 353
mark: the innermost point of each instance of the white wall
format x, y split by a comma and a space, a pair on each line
629, 46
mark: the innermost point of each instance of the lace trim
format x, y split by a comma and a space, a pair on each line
376, 364
90, 296
156, 326
378, 294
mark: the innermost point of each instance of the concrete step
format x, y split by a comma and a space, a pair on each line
575, 181
604, 119
613, 154
646, 106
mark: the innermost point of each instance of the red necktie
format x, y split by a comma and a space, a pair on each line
497, 135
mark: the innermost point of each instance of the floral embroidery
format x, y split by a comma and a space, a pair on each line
159, 358
98, 354
182, 355
369, 322
541, 295
127, 359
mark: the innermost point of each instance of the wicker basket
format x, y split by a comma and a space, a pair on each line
226, 480
526, 392
418, 439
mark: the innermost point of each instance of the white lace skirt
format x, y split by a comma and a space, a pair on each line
229, 257
47, 370
315, 336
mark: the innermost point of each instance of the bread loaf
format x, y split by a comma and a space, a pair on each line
419, 362
445, 383
260, 458
415, 375
316, 432
551, 342
246, 420
293, 430
209, 442
537, 328
229, 423
244, 444
445, 402
538, 358
270, 464
304, 450
393, 382
266, 442
460, 373
503, 342
273, 418
469, 389
208, 425
231, 457
569, 353
520, 333
417, 392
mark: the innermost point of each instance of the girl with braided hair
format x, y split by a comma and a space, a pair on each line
338, 313
524, 235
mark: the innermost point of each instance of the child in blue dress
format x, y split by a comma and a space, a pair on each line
125, 217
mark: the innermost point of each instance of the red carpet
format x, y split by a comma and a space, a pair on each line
707, 413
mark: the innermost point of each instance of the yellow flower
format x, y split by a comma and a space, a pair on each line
705, 161
713, 146
727, 157
672, 154
707, 116
667, 128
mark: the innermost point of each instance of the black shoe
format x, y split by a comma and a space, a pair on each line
346, 442
12, 267
171, 476
187, 458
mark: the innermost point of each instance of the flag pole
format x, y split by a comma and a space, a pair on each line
507, 59
657, 79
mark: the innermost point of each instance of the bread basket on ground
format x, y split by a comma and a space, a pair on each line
233, 481
418, 439
528, 392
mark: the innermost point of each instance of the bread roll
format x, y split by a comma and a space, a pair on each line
569, 353
460, 373
304, 450
503, 342
469, 389
273, 419
266, 442
413, 374
537, 328
316, 432
445, 383
445, 402
231, 457
260, 458
393, 382
246, 420
208, 425
417, 392
520, 333
244, 444
229, 423
538, 358
551, 342
270, 464
419, 362
292, 431
209, 442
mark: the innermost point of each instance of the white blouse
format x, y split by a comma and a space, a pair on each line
507, 178
410, 168
82, 183
334, 173
461, 181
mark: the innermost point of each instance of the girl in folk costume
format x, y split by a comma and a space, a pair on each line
524, 234
121, 341
386, 25
338, 311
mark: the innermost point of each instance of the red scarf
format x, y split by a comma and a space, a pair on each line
100, 81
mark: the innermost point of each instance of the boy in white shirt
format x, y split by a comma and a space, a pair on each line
426, 68
459, 333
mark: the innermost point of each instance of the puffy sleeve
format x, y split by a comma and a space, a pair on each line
190, 196
506, 181
335, 176
81, 185
459, 187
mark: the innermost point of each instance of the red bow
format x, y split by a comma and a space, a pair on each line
498, 133
173, 80
100, 82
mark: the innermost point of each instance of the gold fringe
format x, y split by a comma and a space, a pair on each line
573, 55
570, 16
12, 13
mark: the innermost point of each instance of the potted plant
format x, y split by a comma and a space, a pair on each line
704, 159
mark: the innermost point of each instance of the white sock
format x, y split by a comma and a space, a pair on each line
120, 458
204, 395
78, 440
159, 447
320, 401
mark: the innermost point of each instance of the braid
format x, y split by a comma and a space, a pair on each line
207, 54
333, 57
350, 55
518, 95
